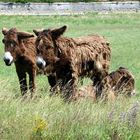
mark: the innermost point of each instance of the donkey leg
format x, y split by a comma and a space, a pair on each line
32, 74
71, 86
98, 77
52, 80
74, 82
23, 82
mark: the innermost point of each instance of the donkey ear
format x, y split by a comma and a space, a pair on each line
23, 35
4, 31
37, 32
58, 32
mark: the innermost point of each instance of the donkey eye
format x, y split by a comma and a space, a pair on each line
38, 51
12, 45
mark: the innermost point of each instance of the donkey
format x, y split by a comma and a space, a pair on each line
118, 82
121, 81
20, 50
73, 58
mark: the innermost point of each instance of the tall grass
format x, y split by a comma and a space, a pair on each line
50, 118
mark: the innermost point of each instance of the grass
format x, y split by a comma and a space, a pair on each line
51, 118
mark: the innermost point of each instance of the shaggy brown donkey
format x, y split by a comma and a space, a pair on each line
118, 82
72, 58
20, 49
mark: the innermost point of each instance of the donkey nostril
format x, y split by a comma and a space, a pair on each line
7, 61
39, 64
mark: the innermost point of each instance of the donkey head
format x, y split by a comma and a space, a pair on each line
13, 45
46, 46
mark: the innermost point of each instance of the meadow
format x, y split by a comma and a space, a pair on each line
50, 118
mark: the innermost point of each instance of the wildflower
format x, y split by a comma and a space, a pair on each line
39, 128
40, 125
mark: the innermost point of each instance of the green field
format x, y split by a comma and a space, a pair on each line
45, 118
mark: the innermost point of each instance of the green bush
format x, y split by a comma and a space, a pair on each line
21, 1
